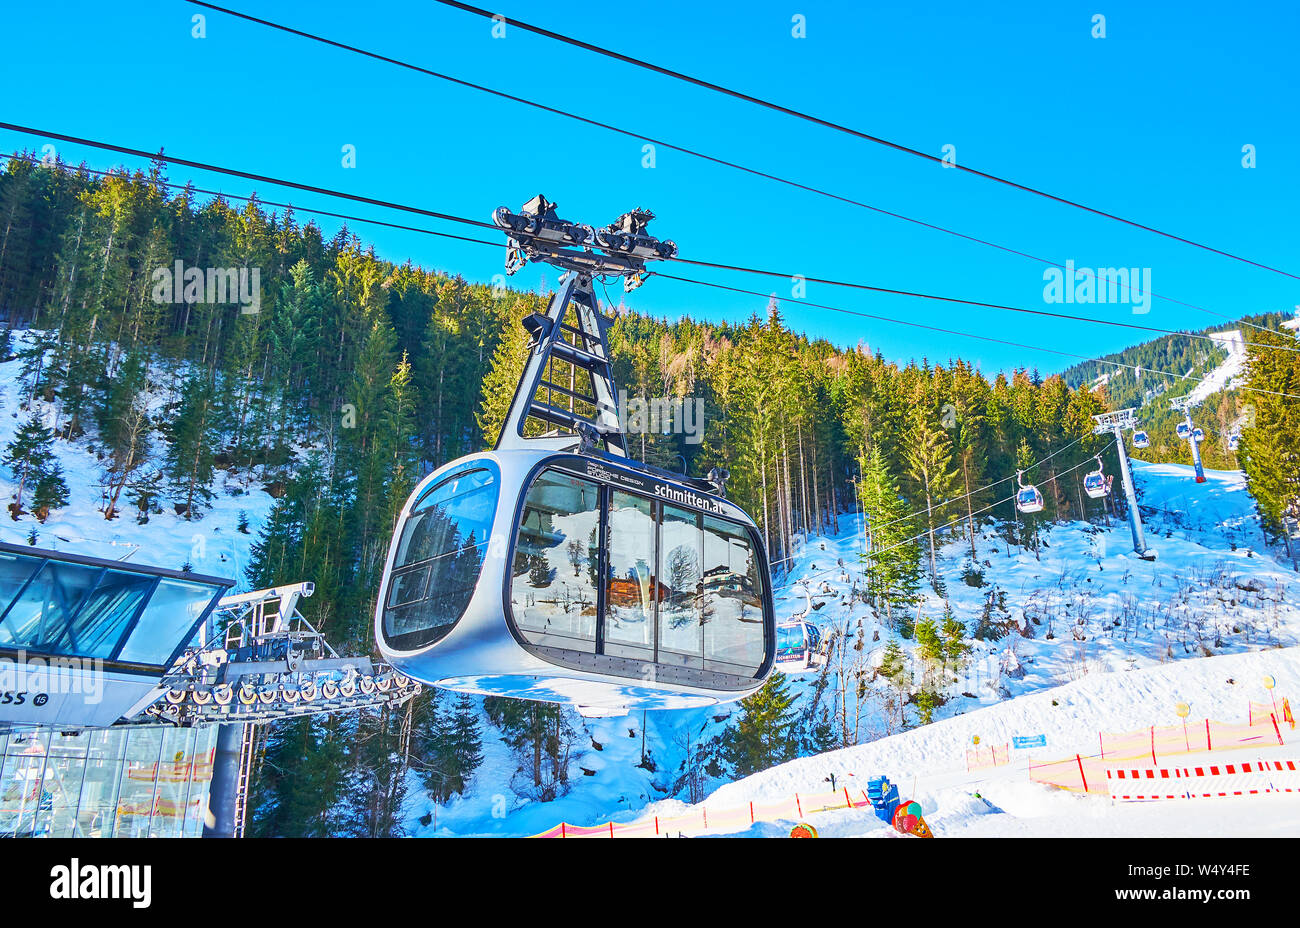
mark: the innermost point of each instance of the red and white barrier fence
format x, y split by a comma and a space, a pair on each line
1203, 781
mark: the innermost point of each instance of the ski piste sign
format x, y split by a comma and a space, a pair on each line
1020, 742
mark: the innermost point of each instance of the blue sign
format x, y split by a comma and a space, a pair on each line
1029, 741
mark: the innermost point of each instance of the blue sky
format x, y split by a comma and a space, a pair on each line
1148, 122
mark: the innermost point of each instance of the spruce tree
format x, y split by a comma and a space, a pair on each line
29, 456
191, 456
761, 737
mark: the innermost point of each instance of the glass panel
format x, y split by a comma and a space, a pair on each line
107, 613
553, 585
174, 773
39, 619
135, 801
104, 769
733, 603
203, 754
633, 587
439, 558
14, 571
22, 798
681, 617
63, 775
165, 625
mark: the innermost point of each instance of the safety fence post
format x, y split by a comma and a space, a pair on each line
847, 800
751, 813
1209, 746
1276, 729
1153, 744
562, 834
611, 829
656, 824
1082, 775
798, 805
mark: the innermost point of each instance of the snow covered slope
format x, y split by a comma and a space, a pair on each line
1232, 369
929, 763
210, 545
1213, 589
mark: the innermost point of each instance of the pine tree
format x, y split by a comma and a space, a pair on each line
761, 737
51, 492
929, 464
29, 457
892, 572
191, 456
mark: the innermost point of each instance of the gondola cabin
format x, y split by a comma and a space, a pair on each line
1096, 485
564, 578
1029, 500
1184, 431
553, 567
1141, 439
798, 647
1198, 435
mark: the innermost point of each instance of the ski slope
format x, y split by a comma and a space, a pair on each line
1214, 589
928, 763
1212, 575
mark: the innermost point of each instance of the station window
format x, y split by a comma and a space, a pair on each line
553, 579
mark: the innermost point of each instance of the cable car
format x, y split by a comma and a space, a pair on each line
1028, 499
798, 647
1233, 442
1198, 435
1184, 431
1095, 483
1141, 439
553, 567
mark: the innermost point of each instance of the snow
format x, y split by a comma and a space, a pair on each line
1232, 369
211, 545
1215, 588
928, 763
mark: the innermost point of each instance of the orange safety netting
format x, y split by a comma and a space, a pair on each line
1087, 772
702, 820
990, 756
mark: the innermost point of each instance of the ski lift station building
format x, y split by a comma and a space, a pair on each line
130, 695
84, 643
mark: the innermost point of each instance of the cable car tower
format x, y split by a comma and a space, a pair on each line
1116, 424
1188, 431
553, 567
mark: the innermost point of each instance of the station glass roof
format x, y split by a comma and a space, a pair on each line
52, 603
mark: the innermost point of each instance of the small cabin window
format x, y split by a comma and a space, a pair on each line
557, 561
633, 587
681, 622
439, 558
733, 601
